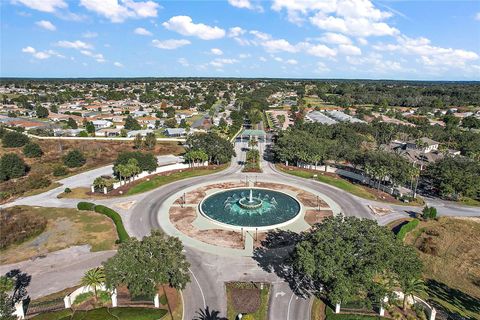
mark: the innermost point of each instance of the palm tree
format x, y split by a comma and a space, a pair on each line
410, 287
94, 278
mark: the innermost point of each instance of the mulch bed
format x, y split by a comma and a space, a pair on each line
316, 216
245, 300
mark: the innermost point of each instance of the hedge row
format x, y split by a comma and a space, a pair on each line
407, 228
112, 214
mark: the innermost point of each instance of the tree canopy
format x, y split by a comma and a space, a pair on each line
143, 265
218, 149
348, 259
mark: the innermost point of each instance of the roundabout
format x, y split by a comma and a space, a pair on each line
250, 208
229, 218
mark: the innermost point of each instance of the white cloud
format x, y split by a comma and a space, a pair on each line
359, 27
235, 32
41, 55
349, 49
170, 44
322, 68
97, 56
352, 17
185, 26
245, 4
216, 51
118, 64
220, 62
28, 50
142, 32
117, 11
261, 35
244, 55
46, 25
74, 44
429, 55
183, 62
477, 16
376, 63
263, 59
320, 50
279, 45
278, 59
362, 41
335, 38
43, 5
291, 61
89, 34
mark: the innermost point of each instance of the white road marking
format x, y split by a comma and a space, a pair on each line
288, 309
201, 291
183, 305
281, 294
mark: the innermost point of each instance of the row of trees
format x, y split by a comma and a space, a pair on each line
129, 164
317, 144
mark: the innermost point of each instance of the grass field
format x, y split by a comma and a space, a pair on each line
355, 189
160, 180
81, 193
340, 183
450, 251
121, 313
65, 227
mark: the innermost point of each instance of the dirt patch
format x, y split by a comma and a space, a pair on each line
310, 200
193, 197
65, 228
316, 216
182, 219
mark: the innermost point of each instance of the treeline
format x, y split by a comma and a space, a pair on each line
359, 145
316, 144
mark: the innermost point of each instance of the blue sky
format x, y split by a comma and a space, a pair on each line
432, 40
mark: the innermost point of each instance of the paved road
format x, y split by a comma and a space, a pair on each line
209, 272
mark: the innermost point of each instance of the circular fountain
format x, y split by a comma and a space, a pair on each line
250, 208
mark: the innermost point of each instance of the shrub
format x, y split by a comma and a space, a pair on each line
429, 213
74, 159
59, 171
36, 181
67, 190
117, 220
428, 246
407, 228
13, 139
12, 166
32, 150
88, 206
83, 134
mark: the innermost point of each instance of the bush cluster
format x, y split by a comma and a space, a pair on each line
112, 214
74, 159
12, 167
32, 182
32, 150
13, 139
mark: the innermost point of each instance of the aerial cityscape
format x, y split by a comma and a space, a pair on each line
239, 159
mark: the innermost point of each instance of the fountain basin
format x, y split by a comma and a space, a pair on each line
255, 208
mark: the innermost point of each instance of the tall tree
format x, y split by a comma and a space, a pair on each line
143, 265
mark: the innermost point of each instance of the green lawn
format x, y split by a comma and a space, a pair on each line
470, 202
330, 315
334, 181
165, 179
126, 313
